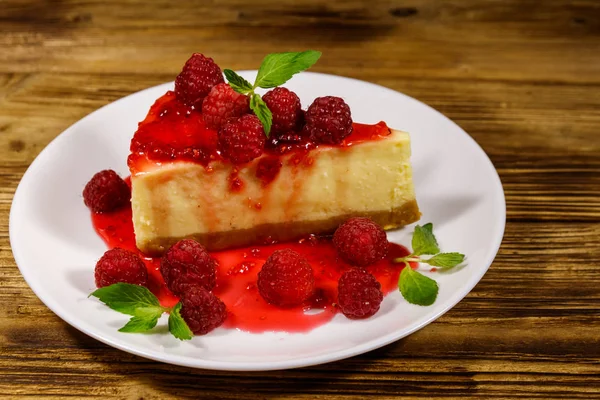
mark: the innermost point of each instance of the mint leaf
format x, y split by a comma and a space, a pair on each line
140, 324
262, 112
237, 83
416, 288
423, 240
127, 298
445, 260
177, 325
278, 68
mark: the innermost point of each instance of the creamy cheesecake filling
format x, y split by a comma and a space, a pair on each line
312, 193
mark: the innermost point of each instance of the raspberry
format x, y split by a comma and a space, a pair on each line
106, 191
360, 241
202, 310
242, 140
328, 120
359, 294
197, 78
223, 103
286, 279
187, 263
285, 107
118, 265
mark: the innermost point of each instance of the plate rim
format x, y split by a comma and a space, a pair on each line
291, 363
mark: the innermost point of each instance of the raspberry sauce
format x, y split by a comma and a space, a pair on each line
174, 131
237, 274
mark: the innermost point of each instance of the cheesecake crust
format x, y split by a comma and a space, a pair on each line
269, 233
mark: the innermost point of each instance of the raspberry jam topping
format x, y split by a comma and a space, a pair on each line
174, 131
237, 274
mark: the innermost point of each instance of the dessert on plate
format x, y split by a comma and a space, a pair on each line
233, 196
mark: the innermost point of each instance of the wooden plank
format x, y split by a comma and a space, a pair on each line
435, 39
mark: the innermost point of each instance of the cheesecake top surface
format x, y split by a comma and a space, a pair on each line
173, 131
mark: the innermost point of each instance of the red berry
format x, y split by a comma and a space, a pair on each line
286, 279
202, 310
328, 120
285, 107
242, 140
359, 294
223, 103
106, 191
118, 265
197, 78
360, 241
186, 264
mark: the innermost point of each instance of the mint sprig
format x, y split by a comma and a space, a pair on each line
278, 68
177, 325
262, 112
275, 70
415, 287
144, 308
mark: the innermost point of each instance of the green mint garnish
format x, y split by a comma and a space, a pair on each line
177, 325
238, 83
275, 70
415, 287
143, 306
445, 260
423, 240
262, 112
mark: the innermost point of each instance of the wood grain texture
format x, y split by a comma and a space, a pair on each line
522, 77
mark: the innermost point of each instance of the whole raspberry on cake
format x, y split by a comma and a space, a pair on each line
242, 140
198, 76
328, 120
223, 103
286, 109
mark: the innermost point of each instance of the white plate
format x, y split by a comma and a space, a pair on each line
56, 248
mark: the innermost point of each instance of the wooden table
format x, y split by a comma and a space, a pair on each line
522, 77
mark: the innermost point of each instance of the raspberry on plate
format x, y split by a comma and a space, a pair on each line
286, 109
106, 191
196, 79
118, 265
328, 120
359, 294
223, 103
286, 279
242, 140
186, 264
202, 310
360, 241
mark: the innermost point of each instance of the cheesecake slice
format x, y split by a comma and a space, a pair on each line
182, 188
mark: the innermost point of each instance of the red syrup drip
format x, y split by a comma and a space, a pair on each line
237, 273
173, 131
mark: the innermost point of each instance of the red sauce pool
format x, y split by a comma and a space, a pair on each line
237, 274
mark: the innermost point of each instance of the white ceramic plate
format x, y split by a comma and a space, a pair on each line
56, 247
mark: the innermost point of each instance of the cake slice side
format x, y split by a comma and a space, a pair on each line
311, 194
